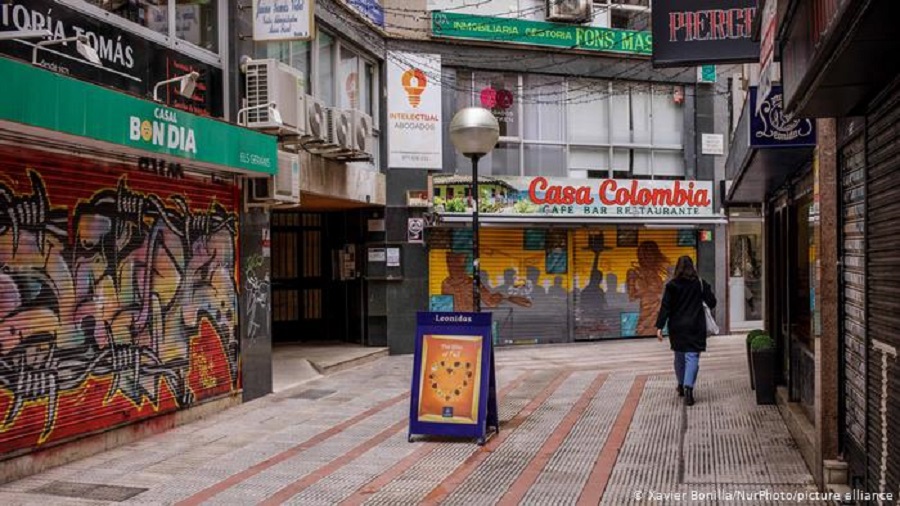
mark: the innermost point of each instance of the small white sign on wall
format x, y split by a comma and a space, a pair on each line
283, 19
712, 144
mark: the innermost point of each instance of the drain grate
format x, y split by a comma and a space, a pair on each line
313, 394
92, 491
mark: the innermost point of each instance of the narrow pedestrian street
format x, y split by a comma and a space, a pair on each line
581, 424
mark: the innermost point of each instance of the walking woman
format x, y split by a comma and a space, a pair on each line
682, 309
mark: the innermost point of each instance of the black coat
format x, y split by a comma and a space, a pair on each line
682, 309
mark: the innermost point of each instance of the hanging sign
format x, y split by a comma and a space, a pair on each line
414, 111
283, 20
770, 127
695, 32
454, 386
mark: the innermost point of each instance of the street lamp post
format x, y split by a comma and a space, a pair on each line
474, 132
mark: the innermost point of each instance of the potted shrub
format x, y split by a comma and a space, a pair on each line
765, 362
750, 336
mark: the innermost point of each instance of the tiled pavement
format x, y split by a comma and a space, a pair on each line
581, 424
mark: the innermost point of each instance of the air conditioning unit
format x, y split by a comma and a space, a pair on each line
270, 81
363, 133
340, 128
315, 119
284, 187
569, 11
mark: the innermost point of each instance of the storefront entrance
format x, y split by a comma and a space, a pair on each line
556, 285
317, 295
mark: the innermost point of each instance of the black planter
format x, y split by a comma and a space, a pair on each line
765, 363
750, 367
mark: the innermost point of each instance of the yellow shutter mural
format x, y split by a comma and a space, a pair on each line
538, 282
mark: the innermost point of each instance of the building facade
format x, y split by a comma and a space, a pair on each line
829, 209
580, 110
122, 211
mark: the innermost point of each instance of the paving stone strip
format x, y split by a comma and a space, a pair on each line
606, 462
564, 477
383, 477
213, 490
416, 482
492, 478
331, 493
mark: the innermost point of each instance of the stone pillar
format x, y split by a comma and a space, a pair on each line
825, 319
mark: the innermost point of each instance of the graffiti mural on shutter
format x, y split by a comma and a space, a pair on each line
525, 276
551, 285
620, 276
118, 296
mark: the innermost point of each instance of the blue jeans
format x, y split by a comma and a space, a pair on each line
687, 364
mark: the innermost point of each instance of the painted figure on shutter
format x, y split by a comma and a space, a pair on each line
119, 302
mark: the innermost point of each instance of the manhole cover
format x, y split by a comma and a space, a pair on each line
312, 394
92, 491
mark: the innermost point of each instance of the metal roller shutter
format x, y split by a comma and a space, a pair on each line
620, 274
117, 294
525, 275
883, 294
854, 298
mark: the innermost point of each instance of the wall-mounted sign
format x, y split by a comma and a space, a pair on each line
393, 257
369, 9
706, 74
770, 127
131, 63
539, 33
415, 230
712, 144
573, 197
694, 32
414, 111
283, 19
98, 113
377, 255
454, 386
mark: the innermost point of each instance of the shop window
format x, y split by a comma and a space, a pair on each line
325, 68
543, 160
745, 275
543, 107
587, 112
295, 53
503, 160
553, 126
349, 82
196, 21
154, 14
499, 93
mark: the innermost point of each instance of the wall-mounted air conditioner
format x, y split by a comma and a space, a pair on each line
363, 134
270, 81
340, 128
569, 11
283, 188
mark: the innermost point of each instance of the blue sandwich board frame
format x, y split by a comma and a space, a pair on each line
468, 328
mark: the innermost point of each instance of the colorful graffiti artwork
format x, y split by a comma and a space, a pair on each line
550, 285
117, 296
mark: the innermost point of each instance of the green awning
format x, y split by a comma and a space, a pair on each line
39, 98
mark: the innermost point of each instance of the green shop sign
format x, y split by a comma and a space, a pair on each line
537, 33
39, 98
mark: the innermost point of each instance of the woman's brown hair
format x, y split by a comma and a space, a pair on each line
685, 268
